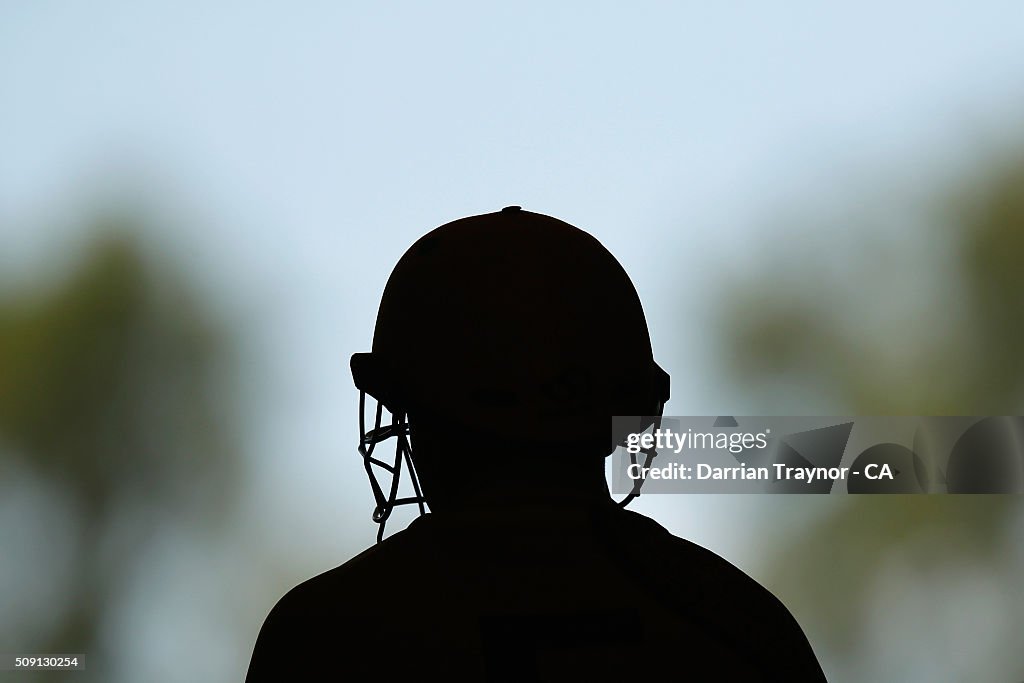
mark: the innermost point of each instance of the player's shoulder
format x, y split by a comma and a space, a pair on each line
694, 574
644, 540
697, 580
351, 583
308, 620
638, 535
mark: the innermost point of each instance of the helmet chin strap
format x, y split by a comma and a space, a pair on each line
368, 440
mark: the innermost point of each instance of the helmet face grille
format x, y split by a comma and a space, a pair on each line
368, 440
649, 455
385, 503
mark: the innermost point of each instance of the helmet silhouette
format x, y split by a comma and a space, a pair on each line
516, 323
510, 326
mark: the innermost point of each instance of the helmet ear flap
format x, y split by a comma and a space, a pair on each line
661, 383
376, 380
651, 397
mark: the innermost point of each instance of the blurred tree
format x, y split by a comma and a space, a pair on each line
923, 319
111, 394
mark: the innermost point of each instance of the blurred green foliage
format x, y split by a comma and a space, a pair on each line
948, 342
112, 394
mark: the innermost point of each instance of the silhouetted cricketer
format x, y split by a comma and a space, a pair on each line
504, 345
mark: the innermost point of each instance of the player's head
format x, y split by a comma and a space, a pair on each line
508, 331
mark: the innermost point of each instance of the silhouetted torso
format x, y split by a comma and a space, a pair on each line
533, 593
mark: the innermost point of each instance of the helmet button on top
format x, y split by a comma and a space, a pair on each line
510, 209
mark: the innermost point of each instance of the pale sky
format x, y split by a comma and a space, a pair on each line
297, 149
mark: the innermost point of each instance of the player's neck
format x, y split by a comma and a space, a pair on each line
540, 481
